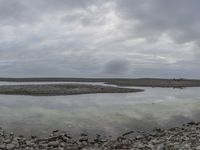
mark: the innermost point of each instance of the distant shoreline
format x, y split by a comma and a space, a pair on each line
141, 82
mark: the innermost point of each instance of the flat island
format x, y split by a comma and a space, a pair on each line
61, 89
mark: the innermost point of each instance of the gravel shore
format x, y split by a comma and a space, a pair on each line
185, 137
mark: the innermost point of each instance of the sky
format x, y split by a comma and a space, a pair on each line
100, 38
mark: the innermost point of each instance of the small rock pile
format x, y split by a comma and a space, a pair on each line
186, 137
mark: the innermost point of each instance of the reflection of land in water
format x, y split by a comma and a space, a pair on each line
110, 114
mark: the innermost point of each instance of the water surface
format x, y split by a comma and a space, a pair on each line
110, 114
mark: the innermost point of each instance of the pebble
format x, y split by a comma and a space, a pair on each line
54, 143
185, 137
10, 146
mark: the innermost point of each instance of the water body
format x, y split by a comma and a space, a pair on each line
110, 114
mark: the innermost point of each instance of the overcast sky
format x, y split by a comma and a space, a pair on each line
100, 38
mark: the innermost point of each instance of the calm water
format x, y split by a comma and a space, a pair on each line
111, 114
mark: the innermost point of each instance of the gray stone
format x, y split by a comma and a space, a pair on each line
53, 144
160, 147
10, 146
198, 147
2, 146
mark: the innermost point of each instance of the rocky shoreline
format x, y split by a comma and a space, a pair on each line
185, 137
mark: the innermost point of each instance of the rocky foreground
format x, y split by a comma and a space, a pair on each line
186, 137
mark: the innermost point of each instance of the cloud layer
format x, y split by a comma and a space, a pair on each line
100, 38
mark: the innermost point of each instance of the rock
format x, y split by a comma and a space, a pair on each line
62, 144
155, 141
198, 147
2, 146
42, 146
83, 139
53, 144
191, 123
33, 137
160, 147
11, 134
150, 146
10, 146
55, 131
139, 137
29, 143
83, 134
7, 141
140, 145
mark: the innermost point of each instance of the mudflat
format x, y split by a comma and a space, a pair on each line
61, 89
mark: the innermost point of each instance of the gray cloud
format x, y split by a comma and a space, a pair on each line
27, 11
99, 38
117, 66
153, 18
